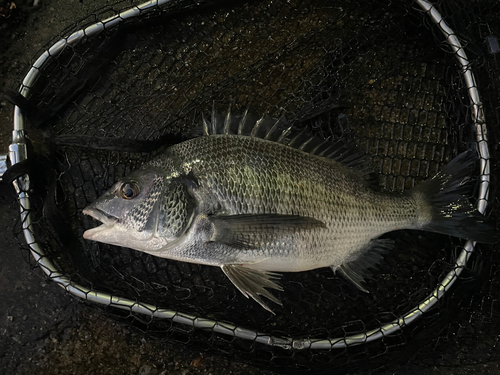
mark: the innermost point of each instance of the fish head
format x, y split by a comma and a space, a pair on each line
129, 212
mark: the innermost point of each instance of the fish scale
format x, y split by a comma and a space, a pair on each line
298, 184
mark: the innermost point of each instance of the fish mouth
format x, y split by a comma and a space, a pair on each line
107, 221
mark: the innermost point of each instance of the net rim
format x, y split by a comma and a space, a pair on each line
18, 153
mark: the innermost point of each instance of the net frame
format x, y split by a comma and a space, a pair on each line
18, 153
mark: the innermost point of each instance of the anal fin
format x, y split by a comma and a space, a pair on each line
252, 283
357, 271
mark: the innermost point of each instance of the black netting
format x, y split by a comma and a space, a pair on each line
375, 73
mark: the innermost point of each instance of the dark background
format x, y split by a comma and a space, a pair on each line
45, 331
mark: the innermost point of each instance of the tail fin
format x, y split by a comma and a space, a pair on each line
452, 212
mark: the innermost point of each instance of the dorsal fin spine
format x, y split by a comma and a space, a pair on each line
274, 128
227, 122
242, 122
283, 135
206, 126
325, 151
316, 149
214, 120
297, 141
256, 126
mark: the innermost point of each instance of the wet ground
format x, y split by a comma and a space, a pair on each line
42, 329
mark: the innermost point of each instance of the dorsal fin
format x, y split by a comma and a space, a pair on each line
248, 124
280, 131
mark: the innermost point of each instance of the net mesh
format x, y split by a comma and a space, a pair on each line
374, 73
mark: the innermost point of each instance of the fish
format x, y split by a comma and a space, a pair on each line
257, 198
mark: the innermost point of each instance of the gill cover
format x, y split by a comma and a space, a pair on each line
128, 211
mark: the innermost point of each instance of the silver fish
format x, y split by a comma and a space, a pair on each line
247, 198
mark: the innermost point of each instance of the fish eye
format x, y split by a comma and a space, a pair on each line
129, 190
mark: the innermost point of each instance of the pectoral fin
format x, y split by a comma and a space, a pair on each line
248, 231
252, 283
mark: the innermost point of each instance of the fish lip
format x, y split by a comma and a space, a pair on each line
106, 219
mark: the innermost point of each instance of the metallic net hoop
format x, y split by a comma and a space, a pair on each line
18, 153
